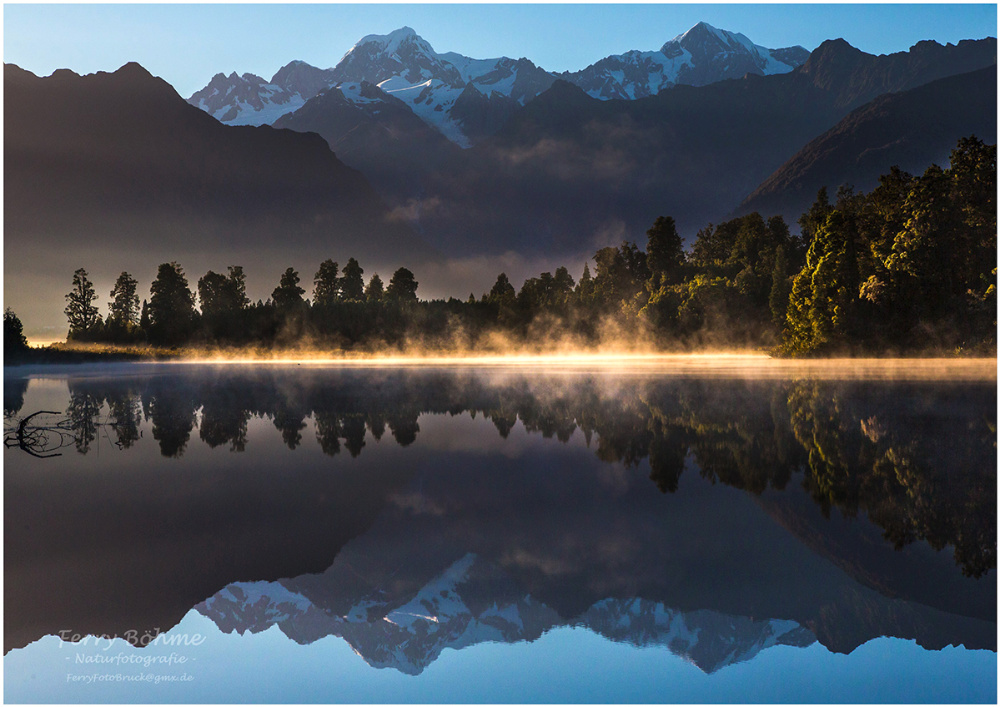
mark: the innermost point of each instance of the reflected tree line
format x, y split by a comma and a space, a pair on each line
916, 459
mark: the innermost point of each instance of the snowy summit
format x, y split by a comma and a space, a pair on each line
465, 98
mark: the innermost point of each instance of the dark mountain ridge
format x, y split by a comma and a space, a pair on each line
103, 125
911, 129
370, 129
118, 163
855, 77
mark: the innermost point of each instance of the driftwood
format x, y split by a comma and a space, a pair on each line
40, 440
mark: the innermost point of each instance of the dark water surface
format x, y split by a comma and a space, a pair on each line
304, 534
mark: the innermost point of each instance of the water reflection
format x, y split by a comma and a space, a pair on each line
918, 459
13, 395
410, 511
473, 601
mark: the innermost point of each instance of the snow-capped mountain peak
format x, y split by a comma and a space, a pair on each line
436, 86
251, 100
701, 29
473, 601
702, 55
467, 99
708, 43
390, 43
401, 53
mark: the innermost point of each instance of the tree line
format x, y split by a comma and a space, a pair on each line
219, 310
909, 266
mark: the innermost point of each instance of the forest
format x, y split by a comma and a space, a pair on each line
908, 268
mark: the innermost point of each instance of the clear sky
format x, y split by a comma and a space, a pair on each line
187, 44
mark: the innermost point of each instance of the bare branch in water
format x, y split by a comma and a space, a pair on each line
40, 441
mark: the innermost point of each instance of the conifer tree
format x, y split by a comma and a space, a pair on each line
14, 341
124, 305
585, 287
80, 309
402, 286
664, 250
502, 291
326, 284
780, 288
144, 316
171, 305
352, 284
375, 290
288, 295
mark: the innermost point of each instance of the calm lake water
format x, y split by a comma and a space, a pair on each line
200, 533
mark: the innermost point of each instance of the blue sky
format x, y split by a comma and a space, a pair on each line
188, 44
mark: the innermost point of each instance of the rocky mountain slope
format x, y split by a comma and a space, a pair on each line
250, 100
911, 129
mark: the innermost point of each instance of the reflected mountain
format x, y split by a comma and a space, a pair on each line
455, 560
411, 510
472, 602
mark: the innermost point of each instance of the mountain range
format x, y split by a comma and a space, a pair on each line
452, 93
589, 162
438, 156
472, 601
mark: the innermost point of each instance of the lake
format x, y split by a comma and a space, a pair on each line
646, 531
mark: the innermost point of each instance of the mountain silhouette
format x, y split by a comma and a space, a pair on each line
911, 129
115, 171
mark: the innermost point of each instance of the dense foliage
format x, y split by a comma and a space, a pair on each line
14, 341
909, 267
912, 264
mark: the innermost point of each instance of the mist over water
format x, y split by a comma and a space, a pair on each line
724, 364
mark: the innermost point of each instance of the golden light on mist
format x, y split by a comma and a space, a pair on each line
722, 364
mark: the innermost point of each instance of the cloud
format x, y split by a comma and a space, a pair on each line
417, 504
415, 209
569, 160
